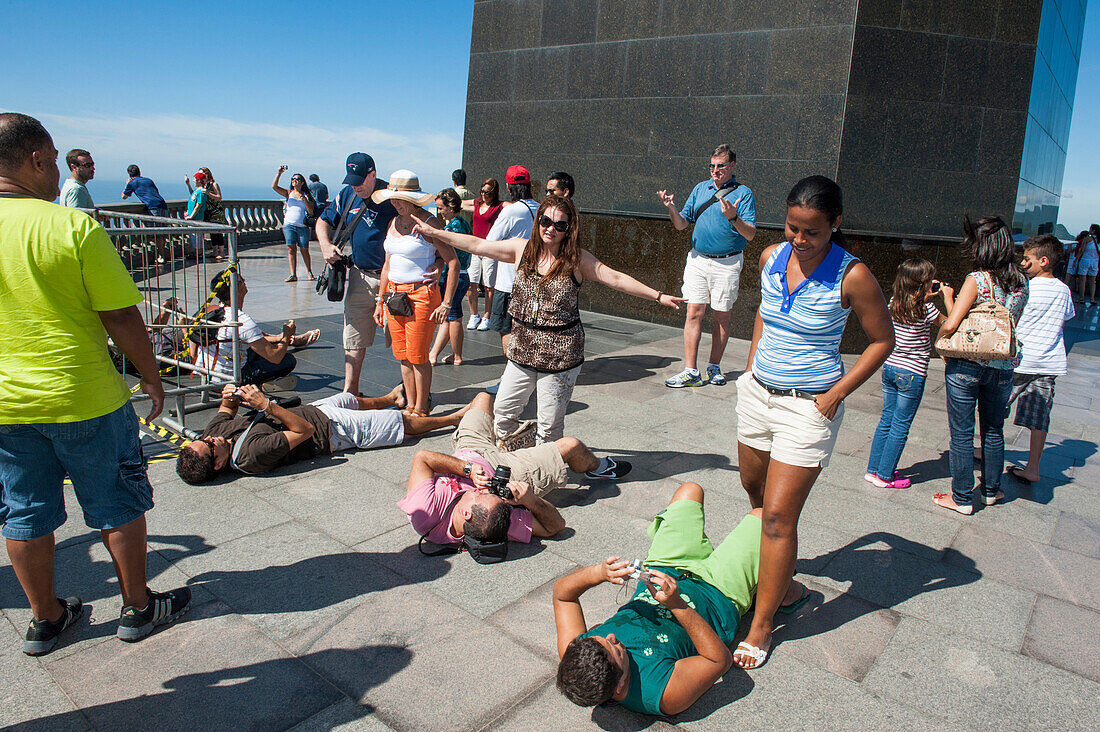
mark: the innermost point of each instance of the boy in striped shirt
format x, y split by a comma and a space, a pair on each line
1043, 358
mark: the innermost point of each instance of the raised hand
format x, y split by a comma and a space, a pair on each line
729, 210
665, 198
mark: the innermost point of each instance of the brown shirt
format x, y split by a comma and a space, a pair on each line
266, 448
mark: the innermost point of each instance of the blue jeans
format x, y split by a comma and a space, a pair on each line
970, 384
103, 457
256, 369
455, 313
901, 394
296, 234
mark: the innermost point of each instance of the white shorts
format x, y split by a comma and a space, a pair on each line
1086, 268
713, 281
482, 271
362, 428
790, 428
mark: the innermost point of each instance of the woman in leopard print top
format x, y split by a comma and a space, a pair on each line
547, 345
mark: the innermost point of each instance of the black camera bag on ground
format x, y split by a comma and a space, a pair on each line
483, 552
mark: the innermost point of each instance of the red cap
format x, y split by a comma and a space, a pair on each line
200, 175
518, 174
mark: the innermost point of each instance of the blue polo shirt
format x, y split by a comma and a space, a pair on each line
367, 240
146, 191
713, 233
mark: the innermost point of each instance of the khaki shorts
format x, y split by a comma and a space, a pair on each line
713, 281
359, 300
790, 428
482, 270
541, 466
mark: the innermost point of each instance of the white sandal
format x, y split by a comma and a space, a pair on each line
756, 654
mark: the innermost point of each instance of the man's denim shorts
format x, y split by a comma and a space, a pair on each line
102, 456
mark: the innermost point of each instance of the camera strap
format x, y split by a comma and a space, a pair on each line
730, 185
441, 549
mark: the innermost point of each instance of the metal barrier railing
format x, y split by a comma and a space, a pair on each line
173, 264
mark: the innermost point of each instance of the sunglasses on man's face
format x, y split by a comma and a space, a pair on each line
545, 222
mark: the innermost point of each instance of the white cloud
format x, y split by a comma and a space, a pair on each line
247, 153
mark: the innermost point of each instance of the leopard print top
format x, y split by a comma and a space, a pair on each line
547, 334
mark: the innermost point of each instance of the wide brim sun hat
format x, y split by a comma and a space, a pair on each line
405, 185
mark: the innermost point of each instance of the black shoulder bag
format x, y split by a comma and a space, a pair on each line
730, 184
483, 552
333, 278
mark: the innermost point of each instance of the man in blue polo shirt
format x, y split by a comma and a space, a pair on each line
724, 214
367, 257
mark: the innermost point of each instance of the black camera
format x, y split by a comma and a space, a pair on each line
498, 484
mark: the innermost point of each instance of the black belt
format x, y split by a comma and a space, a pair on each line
549, 328
717, 256
800, 393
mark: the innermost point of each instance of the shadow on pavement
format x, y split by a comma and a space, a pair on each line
616, 369
313, 583
884, 570
253, 696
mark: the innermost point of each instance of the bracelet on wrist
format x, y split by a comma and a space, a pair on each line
659, 295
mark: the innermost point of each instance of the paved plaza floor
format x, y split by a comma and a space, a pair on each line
313, 609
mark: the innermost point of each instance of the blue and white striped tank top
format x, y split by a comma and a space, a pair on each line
800, 345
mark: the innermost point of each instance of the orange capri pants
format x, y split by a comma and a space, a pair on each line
412, 335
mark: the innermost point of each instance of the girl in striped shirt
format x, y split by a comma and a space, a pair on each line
906, 369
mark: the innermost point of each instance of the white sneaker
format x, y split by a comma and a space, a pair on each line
474, 322
484, 324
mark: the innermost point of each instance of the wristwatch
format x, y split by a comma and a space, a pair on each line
467, 469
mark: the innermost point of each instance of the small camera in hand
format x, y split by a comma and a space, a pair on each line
637, 572
498, 484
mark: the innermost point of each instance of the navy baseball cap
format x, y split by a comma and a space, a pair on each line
360, 165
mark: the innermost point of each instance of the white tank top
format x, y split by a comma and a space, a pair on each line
410, 257
294, 212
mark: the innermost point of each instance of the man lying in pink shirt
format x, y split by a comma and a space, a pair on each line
437, 479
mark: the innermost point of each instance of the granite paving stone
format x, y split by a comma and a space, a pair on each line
217, 663
924, 667
1048, 640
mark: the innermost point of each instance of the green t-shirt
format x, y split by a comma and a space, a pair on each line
655, 640
58, 269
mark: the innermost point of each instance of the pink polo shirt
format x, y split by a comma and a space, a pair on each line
426, 503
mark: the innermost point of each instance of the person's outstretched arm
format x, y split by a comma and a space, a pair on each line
692, 676
593, 269
275, 183
506, 250
427, 463
568, 615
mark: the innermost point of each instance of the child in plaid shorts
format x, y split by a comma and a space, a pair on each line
1043, 351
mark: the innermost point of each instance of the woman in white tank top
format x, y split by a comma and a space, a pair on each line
408, 259
299, 204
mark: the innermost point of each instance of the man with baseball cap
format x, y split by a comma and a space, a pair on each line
367, 256
514, 222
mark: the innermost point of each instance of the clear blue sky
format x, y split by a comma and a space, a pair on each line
243, 86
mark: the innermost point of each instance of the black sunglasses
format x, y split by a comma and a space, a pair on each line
545, 221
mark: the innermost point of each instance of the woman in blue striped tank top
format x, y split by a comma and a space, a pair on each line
790, 398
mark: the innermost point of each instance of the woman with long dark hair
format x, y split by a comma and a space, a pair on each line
299, 204
790, 400
546, 349
214, 212
483, 270
984, 385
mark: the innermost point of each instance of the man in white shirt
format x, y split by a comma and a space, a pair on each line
265, 359
514, 222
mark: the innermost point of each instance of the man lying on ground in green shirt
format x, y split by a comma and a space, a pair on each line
670, 643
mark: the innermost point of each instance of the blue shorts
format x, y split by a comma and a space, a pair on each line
455, 313
296, 234
102, 456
